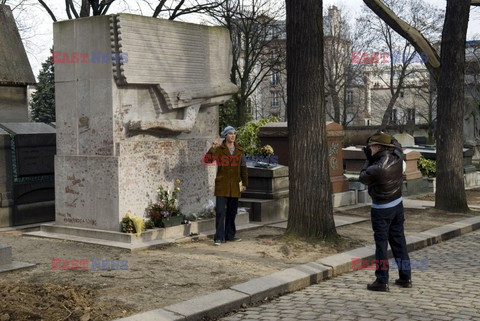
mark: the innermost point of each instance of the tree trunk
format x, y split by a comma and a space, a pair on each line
450, 106
310, 208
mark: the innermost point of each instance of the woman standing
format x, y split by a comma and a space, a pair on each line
230, 172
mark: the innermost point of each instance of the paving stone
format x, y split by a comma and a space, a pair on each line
447, 290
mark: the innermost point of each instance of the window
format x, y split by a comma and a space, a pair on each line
393, 116
411, 114
275, 100
275, 76
350, 97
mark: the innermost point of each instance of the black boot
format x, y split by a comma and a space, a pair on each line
377, 286
404, 283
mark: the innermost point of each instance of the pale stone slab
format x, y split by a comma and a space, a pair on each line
344, 198
342, 262
211, 305
14, 265
340, 220
5, 254
285, 281
154, 315
417, 241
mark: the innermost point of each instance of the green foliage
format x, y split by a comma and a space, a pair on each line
427, 167
43, 100
149, 224
247, 136
228, 114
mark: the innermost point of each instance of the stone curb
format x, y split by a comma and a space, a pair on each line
221, 302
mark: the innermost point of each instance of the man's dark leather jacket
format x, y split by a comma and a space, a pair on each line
384, 175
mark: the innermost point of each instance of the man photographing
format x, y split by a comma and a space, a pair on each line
383, 173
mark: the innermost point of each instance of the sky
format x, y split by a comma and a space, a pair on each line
39, 38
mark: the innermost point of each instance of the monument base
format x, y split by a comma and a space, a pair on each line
274, 210
416, 186
266, 210
148, 238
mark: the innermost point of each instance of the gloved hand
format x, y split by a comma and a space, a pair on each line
368, 152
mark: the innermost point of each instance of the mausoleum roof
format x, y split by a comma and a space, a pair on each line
14, 66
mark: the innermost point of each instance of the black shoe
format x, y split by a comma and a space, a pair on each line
235, 239
377, 286
404, 283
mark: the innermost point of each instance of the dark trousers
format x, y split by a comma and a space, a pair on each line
226, 210
387, 225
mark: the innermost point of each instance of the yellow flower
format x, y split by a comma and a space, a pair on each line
178, 181
178, 188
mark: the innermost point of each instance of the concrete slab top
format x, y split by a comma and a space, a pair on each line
340, 220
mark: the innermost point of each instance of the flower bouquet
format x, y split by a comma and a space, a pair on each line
165, 212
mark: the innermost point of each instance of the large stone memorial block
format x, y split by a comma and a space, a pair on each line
26, 178
137, 112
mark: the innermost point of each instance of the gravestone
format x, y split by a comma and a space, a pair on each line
27, 176
267, 193
137, 113
405, 139
6, 262
276, 135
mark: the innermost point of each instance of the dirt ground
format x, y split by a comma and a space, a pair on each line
169, 274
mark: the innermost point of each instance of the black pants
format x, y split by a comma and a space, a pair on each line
387, 225
226, 211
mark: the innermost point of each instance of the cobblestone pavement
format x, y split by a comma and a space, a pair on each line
448, 290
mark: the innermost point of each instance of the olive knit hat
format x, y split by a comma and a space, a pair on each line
380, 138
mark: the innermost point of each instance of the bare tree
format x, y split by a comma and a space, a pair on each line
310, 198
448, 71
340, 71
400, 56
426, 93
472, 69
257, 36
171, 9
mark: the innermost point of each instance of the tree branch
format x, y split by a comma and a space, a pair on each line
159, 8
69, 5
44, 5
420, 43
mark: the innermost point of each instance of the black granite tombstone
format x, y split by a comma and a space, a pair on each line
28, 176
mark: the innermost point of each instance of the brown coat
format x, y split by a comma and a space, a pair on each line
230, 170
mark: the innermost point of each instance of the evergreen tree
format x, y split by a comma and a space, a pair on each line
43, 100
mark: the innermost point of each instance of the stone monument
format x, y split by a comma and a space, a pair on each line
136, 109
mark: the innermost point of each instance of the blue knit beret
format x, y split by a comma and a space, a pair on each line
226, 131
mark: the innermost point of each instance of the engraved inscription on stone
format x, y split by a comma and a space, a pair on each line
35, 160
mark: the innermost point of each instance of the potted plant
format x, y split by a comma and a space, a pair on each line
165, 212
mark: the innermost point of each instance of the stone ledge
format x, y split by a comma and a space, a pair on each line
285, 281
211, 305
155, 315
130, 241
